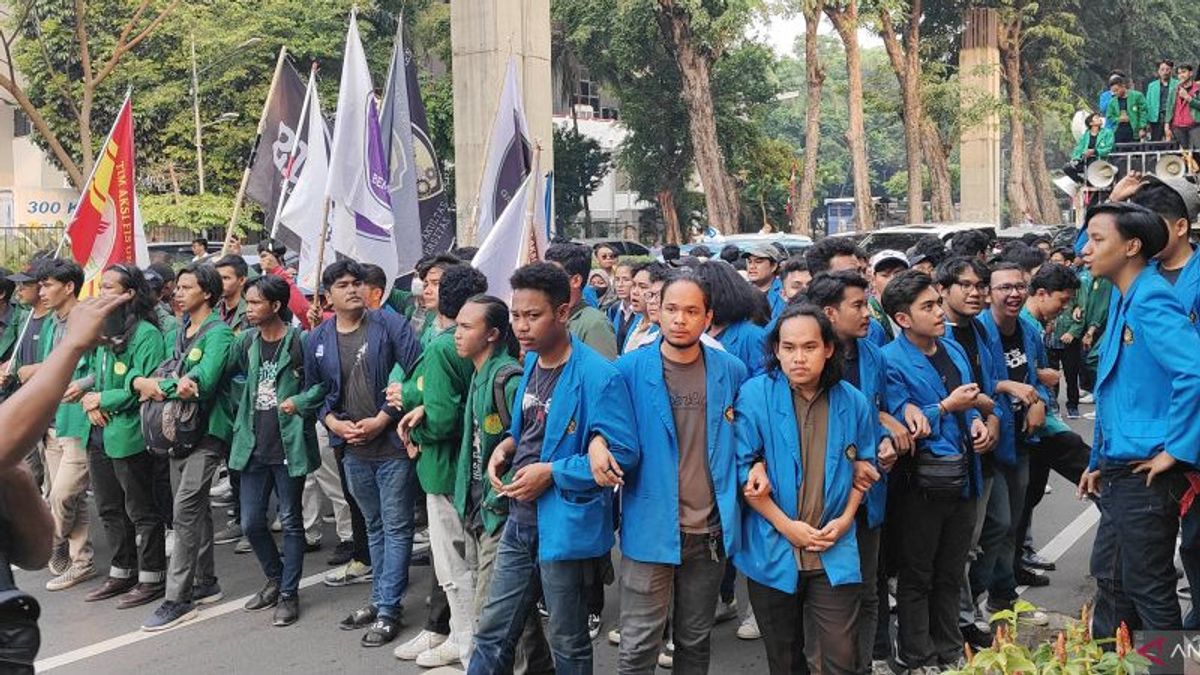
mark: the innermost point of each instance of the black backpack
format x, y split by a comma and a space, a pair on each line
173, 428
499, 384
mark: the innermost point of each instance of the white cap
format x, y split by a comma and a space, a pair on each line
888, 254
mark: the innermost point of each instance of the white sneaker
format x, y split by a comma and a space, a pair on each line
421, 540
1091, 415
1087, 398
614, 636
666, 657
221, 489
423, 642
446, 653
1035, 618
749, 628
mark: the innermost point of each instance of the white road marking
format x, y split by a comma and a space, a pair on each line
105, 646
1067, 538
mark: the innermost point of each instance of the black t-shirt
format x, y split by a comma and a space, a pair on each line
268, 440
535, 410
30, 349
951, 378
1017, 362
850, 372
966, 337
358, 398
1172, 276
1164, 110
1124, 130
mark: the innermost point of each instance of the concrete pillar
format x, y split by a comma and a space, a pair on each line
483, 34
979, 78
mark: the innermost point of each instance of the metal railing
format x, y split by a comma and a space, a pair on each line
19, 244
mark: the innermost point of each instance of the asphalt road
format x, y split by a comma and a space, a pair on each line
89, 638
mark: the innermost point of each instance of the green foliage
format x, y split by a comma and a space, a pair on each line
580, 165
195, 213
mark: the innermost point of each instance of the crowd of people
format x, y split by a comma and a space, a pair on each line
833, 427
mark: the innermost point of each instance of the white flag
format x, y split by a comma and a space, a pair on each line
515, 241
508, 158
361, 209
301, 213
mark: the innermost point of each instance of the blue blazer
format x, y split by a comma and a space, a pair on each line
765, 425
1035, 351
876, 334
1148, 380
747, 341
633, 325
1187, 287
574, 514
390, 342
913, 379
872, 378
650, 497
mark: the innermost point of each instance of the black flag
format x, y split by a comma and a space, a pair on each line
281, 122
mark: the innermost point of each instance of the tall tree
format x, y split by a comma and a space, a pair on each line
905, 60
844, 15
814, 79
698, 33
1022, 199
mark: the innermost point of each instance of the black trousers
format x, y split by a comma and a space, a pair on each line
811, 630
1070, 359
1156, 131
358, 525
931, 555
1067, 454
124, 491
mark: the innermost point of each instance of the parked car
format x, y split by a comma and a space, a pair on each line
1060, 235
792, 243
902, 237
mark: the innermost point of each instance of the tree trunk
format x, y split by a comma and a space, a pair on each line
815, 79
941, 195
720, 193
907, 67
845, 22
1020, 208
1043, 184
666, 202
85, 129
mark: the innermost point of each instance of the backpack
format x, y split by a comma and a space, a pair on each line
173, 428
499, 384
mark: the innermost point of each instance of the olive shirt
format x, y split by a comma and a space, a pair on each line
812, 426
593, 329
114, 374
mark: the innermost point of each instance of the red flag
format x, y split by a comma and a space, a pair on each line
105, 229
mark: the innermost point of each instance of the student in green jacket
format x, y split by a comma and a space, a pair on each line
1095, 143
1160, 101
121, 468
1128, 107
432, 430
232, 308
274, 442
10, 315
66, 458
1095, 295
202, 345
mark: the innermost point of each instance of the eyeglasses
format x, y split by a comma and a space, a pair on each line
981, 287
1009, 289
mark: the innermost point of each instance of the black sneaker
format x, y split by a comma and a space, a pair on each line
384, 630
1031, 559
979, 639
266, 598
342, 553
1027, 577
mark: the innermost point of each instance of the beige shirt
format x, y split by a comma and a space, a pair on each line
812, 427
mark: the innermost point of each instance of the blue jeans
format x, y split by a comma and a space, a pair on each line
993, 570
1133, 557
384, 492
514, 590
258, 482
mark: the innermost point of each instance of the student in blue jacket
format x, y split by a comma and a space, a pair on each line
762, 271
679, 509
1176, 201
934, 491
1147, 393
739, 312
843, 298
1015, 343
805, 450
559, 518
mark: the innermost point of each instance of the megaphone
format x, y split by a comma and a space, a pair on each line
1079, 123
1101, 174
1170, 166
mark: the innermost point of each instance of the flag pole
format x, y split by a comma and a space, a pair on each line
287, 170
531, 252
262, 122
321, 248
63, 239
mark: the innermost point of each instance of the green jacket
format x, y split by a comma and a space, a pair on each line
593, 329
1136, 108
439, 381
10, 328
1066, 323
237, 321
1153, 94
299, 431
483, 431
205, 362
1104, 143
114, 375
69, 421
1096, 296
